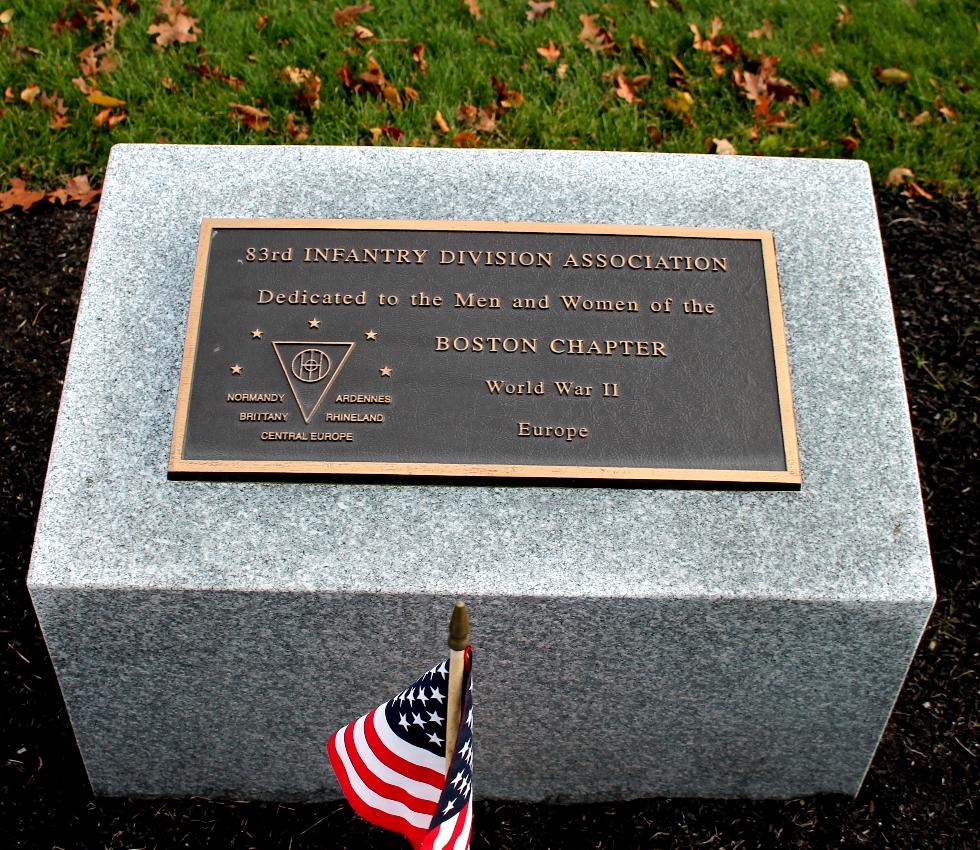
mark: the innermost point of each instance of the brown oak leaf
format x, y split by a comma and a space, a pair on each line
838, 79
18, 195
474, 8
723, 147
549, 51
597, 38
308, 94
624, 88
348, 14
79, 189
539, 8
297, 132
178, 27
418, 57
465, 139
251, 116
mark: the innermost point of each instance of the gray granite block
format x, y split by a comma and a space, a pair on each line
208, 636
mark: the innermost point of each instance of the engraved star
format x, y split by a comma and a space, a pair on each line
236, 369
257, 334
371, 335
314, 323
385, 371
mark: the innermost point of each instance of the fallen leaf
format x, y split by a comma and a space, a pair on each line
506, 98
7, 15
418, 57
100, 99
539, 9
561, 70
261, 21
391, 97
464, 139
765, 31
82, 85
897, 176
73, 22
838, 79
653, 131
724, 147
297, 132
915, 190
474, 8
850, 144
101, 117
549, 51
178, 28
921, 118
32, 91
482, 118
944, 110
623, 88
206, 71
843, 16
410, 93
597, 38
348, 14
8, 95
168, 84
482, 39
251, 116
393, 133
59, 112
892, 76
681, 104
440, 122
110, 16
638, 44
79, 189
18, 195
116, 119
307, 96
362, 33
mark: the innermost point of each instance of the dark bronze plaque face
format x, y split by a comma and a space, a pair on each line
485, 349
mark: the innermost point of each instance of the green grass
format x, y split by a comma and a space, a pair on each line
936, 42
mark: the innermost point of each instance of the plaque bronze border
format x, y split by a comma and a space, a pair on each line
787, 477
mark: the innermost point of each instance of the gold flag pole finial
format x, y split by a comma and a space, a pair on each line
459, 639
459, 627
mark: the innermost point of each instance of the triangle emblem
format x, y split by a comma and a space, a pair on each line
310, 369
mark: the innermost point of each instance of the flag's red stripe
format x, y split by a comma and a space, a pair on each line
378, 785
413, 833
418, 772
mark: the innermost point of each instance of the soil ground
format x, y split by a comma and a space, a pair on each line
921, 792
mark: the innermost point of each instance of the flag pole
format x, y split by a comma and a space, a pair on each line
459, 639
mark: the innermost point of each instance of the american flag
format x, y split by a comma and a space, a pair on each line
390, 763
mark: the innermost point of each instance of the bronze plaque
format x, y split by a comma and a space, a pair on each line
489, 349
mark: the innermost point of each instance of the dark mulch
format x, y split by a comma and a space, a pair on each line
922, 791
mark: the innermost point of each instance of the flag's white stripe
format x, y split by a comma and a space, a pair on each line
444, 833
376, 801
422, 790
407, 751
464, 837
